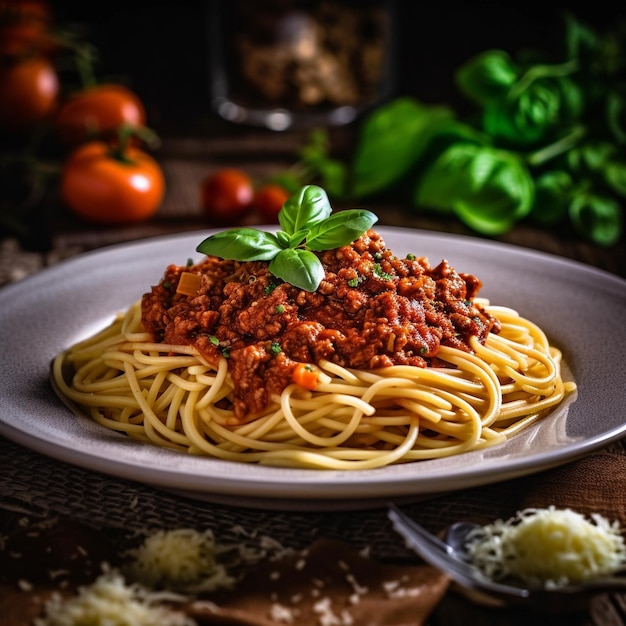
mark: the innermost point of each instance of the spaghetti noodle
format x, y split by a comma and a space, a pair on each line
181, 394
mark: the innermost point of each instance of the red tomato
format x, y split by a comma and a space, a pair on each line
99, 186
268, 201
24, 28
22, 10
28, 93
23, 39
99, 111
226, 194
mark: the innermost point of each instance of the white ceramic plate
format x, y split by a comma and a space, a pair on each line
581, 309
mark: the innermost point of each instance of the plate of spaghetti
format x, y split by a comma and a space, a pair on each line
411, 364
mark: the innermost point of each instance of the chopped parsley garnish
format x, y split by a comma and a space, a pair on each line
378, 270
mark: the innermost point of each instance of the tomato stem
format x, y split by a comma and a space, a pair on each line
85, 56
119, 150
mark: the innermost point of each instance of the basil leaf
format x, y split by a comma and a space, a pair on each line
340, 229
283, 239
533, 114
298, 267
486, 188
615, 177
241, 244
616, 116
297, 238
597, 218
590, 157
553, 193
393, 137
487, 75
307, 206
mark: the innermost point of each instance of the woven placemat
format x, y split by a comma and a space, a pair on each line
17, 263
35, 485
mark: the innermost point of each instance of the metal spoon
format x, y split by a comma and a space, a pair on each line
450, 556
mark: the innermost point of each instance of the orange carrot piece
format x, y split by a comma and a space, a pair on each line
189, 284
306, 375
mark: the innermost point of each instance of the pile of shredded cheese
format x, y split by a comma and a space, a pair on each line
182, 560
548, 547
111, 601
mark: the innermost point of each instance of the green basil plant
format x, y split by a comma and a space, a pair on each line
544, 141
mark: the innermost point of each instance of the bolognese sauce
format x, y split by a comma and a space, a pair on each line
371, 310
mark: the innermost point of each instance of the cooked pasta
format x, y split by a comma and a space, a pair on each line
171, 395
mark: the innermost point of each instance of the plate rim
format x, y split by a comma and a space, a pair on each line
313, 484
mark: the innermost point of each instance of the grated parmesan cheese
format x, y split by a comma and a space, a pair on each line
181, 560
327, 617
110, 601
283, 614
548, 547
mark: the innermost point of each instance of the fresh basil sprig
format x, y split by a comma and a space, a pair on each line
308, 226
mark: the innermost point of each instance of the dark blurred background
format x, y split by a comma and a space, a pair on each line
161, 48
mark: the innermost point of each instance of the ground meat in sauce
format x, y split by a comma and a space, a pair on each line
372, 310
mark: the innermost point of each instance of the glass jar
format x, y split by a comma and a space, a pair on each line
293, 63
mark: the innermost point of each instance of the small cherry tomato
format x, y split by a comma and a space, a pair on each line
226, 194
268, 201
29, 91
98, 112
106, 185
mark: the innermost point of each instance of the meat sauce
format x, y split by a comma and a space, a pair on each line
372, 310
